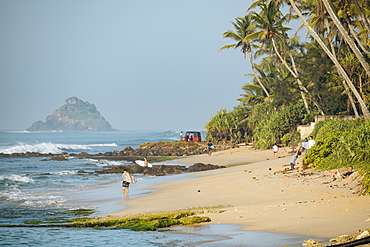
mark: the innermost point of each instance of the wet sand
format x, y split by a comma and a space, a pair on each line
262, 196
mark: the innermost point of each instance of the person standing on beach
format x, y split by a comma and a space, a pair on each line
275, 149
210, 147
311, 142
126, 180
181, 136
305, 145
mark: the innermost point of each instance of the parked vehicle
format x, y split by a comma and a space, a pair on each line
192, 136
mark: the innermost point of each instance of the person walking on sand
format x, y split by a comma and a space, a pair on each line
275, 149
126, 180
294, 159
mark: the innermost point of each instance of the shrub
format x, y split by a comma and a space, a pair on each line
342, 143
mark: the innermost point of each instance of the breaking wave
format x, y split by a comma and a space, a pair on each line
17, 178
44, 148
103, 145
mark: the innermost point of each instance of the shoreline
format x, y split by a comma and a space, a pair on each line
260, 196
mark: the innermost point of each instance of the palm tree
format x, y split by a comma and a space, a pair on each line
253, 95
346, 36
340, 69
320, 23
243, 28
269, 25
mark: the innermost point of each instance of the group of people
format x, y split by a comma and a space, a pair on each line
303, 148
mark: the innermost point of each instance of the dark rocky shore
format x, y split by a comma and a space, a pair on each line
155, 152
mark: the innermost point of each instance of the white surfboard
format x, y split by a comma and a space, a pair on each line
141, 163
133, 179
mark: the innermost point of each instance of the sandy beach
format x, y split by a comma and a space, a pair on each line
260, 195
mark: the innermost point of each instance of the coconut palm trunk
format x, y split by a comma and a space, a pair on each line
257, 77
351, 100
340, 69
303, 87
346, 37
300, 84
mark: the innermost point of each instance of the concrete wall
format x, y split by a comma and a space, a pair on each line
306, 130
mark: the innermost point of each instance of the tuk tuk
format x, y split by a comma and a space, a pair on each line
192, 136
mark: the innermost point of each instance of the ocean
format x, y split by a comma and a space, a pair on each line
32, 189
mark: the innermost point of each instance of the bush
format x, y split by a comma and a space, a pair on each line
291, 139
342, 143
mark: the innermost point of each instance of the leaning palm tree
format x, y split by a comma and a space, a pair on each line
270, 30
243, 27
320, 23
332, 56
346, 36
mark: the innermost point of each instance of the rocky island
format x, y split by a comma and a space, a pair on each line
75, 115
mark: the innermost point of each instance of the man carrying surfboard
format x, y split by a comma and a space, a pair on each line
126, 181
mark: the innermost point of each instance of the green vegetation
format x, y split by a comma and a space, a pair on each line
152, 221
263, 125
292, 81
70, 216
342, 143
228, 125
139, 222
82, 212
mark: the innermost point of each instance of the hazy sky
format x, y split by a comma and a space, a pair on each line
144, 64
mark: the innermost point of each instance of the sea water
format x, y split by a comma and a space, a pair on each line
32, 189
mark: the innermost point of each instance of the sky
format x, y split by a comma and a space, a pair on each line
145, 65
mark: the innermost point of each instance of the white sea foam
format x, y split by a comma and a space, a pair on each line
32, 132
103, 145
17, 178
108, 162
43, 200
12, 192
18, 131
65, 173
43, 148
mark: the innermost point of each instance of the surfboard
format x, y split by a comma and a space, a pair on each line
133, 179
141, 163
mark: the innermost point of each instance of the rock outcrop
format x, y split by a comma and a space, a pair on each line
158, 170
75, 115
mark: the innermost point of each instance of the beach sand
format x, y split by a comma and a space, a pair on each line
261, 196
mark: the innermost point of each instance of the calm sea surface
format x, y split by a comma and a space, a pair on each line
31, 189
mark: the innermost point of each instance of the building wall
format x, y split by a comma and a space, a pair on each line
306, 130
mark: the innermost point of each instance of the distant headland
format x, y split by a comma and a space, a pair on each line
75, 115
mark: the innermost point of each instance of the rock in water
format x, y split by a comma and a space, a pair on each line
75, 115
